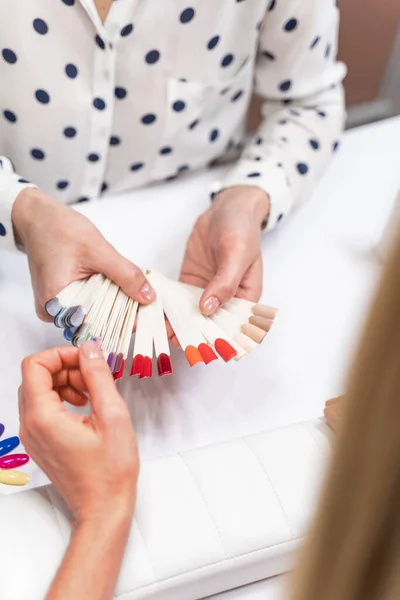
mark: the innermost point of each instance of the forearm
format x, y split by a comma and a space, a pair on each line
91, 565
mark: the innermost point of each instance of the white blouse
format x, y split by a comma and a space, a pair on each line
163, 88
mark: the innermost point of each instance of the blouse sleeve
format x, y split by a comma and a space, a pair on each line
299, 80
11, 184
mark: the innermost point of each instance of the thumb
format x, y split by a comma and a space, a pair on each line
125, 274
225, 283
99, 381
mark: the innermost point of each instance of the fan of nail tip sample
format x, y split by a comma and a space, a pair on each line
95, 308
8, 462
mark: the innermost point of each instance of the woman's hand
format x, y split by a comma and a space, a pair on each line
93, 462
63, 246
223, 252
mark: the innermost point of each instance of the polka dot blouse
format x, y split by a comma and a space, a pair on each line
163, 88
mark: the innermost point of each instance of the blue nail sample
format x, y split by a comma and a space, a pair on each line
1, 429
8, 445
69, 333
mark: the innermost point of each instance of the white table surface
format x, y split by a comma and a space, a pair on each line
320, 269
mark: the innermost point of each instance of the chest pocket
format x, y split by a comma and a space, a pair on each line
203, 119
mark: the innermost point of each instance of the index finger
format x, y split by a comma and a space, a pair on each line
38, 369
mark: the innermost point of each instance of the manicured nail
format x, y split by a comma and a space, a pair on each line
91, 350
211, 305
147, 293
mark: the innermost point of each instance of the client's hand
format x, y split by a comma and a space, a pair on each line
63, 245
223, 252
93, 462
333, 410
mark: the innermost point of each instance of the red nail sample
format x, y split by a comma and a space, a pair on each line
164, 365
224, 349
13, 460
207, 353
119, 374
147, 368
137, 365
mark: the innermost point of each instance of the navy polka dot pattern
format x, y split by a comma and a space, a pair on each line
3, 231
62, 184
269, 55
100, 42
22, 180
290, 25
42, 96
335, 146
10, 116
69, 132
137, 166
71, 71
236, 96
302, 168
213, 135
285, 85
40, 26
280, 217
99, 103
126, 30
148, 119
152, 57
213, 42
164, 87
9, 56
187, 15
227, 60
120, 92
178, 105
315, 42
37, 154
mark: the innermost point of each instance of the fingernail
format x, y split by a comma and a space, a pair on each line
91, 350
211, 305
147, 292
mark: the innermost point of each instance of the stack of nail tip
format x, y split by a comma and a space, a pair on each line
97, 309
9, 462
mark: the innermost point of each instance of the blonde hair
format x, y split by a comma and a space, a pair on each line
353, 549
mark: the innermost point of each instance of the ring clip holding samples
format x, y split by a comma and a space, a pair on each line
95, 308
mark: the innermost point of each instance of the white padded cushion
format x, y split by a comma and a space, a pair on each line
207, 520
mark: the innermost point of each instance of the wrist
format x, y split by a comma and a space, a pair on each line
117, 518
23, 213
255, 199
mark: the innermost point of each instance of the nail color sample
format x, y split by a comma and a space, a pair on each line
147, 368
207, 353
69, 333
111, 360
267, 312
1, 429
164, 365
224, 349
253, 332
118, 363
8, 445
193, 355
137, 365
119, 374
53, 307
14, 478
262, 323
13, 460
